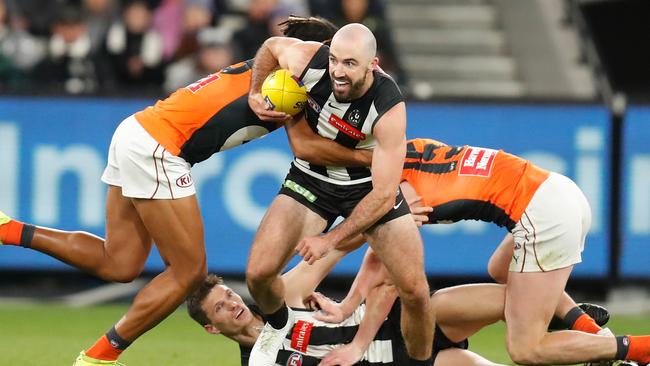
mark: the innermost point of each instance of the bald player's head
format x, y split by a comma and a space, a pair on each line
351, 61
359, 36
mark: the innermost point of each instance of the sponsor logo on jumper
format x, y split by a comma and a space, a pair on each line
184, 180
397, 205
355, 117
295, 359
301, 335
477, 161
300, 190
194, 87
313, 105
346, 128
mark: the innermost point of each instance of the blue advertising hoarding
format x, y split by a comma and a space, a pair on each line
635, 194
55, 150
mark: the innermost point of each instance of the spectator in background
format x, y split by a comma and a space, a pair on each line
197, 15
70, 67
36, 16
211, 56
19, 53
257, 29
135, 50
371, 13
100, 14
167, 21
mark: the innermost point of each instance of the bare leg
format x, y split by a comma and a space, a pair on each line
461, 311
285, 223
456, 356
498, 270
531, 300
120, 257
399, 246
177, 229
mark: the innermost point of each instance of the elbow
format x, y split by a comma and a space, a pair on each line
303, 152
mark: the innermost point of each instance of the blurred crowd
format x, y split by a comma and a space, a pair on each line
152, 47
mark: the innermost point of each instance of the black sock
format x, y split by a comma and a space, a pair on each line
622, 347
414, 362
27, 235
279, 319
571, 317
117, 341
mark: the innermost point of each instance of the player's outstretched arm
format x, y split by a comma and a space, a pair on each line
372, 284
303, 279
307, 145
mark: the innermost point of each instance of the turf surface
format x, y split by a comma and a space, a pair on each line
54, 335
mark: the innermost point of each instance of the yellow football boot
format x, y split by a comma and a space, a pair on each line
84, 360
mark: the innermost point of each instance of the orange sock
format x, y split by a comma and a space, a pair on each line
639, 349
11, 232
586, 324
103, 350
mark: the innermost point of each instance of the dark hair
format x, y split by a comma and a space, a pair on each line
195, 300
308, 28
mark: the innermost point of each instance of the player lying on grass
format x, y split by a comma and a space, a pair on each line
548, 217
460, 311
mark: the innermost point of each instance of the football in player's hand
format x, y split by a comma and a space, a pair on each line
284, 92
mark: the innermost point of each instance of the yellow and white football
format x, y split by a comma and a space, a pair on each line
284, 92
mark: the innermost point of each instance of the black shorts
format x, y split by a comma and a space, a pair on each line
440, 340
332, 200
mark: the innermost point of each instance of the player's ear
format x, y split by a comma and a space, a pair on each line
374, 63
211, 329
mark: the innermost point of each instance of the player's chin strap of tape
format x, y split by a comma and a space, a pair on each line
291, 358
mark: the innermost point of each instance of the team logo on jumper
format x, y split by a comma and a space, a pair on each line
346, 128
477, 161
354, 117
184, 180
301, 335
295, 359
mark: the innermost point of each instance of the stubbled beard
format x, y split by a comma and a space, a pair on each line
354, 90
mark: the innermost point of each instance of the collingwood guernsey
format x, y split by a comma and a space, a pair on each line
349, 124
310, 340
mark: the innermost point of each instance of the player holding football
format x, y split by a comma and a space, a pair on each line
151, 196
357, 106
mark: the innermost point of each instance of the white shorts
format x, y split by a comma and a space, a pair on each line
551, 232
143, 168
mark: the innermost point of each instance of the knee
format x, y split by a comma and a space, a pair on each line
115, 273
415, 292
259, 274
195, 276
498, 272
524, 354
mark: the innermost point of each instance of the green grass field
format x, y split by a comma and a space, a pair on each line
54, 335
